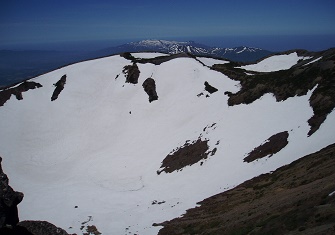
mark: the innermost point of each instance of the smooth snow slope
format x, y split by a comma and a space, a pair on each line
99, 145
210, 61
274, 63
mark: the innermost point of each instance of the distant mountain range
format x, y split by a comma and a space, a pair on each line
16, 66
240, 54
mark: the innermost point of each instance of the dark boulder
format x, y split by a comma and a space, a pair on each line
59, 87
9, 199
42, 228
149, 86
132, 73
210, 88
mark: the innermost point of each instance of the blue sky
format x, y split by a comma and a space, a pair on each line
34, 21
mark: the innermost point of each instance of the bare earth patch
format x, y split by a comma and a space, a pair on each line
295, 199
273, 145
186, 155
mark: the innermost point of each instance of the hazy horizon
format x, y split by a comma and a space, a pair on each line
91, 25
273, 43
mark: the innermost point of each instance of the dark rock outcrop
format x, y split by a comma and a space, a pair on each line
296, 81
298, 198
149, 86
186, 155
17, 91
9, 199
210, 88
132, 73
9, 218
157, 60
42, 228
59, 87
273, 145
17, 230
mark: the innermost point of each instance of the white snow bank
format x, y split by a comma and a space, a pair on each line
274, 63
250, 74
313, 61
148, 55
210, 61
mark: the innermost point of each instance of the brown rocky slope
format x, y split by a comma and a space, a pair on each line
296, 81
295, 199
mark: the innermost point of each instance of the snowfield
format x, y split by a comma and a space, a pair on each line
274, 63
210, 61
146, 55
92, 155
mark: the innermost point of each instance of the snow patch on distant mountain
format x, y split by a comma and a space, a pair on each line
250, 49
173, 47
152, 42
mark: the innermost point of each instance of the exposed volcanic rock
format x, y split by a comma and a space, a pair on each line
132, 73
210, 88
9, 199
322, 100
4, 96
296, 81
17, 91
149, 86
273, 145
42, 228
186, 155
157, 60
59, 87
92, 229
128, 56
295, 199
17, 230
162, 59
9, 218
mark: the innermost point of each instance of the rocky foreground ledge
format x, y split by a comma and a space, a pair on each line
298, 198
9, 218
